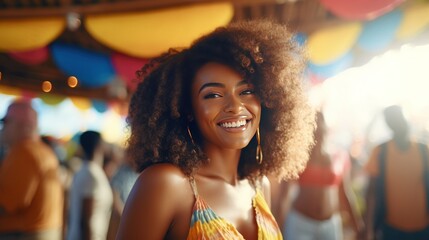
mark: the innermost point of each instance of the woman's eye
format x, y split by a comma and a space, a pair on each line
247, 92
211, 95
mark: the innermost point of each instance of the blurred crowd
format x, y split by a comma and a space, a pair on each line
49, 192
50, 189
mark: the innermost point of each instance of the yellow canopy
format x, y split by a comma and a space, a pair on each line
415, 19
328, 44
28, 34
148, 34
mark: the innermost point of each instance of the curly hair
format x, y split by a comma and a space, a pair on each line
265, 54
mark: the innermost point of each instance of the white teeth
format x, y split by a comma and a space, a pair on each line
238, 123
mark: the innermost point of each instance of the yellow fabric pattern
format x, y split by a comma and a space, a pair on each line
205, 224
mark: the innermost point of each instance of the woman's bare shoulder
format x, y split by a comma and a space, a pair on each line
164, 176
160, 195
264, 186
164, 170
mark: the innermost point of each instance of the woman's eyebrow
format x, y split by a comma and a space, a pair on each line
243, 82
211, 84
215, 84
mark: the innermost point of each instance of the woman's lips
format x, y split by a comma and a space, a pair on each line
237, 125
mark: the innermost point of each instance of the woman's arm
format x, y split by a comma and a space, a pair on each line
280, 199
153, 203
284, 200
348, 197
266, 190
370, 209
87, 210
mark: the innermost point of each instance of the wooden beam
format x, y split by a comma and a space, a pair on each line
110, 7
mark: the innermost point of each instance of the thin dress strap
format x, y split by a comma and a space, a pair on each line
256, 184
193, 186
259, 185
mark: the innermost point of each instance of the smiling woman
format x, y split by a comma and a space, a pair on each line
226, 108
208, 123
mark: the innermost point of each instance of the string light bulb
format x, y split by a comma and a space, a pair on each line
72, 81
46, 86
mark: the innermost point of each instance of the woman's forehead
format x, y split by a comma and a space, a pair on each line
217, 71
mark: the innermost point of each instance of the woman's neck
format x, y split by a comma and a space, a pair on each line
222, 164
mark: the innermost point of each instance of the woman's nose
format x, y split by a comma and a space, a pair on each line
233, 104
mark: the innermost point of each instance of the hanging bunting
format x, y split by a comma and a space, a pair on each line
150, 33
29, 34
329, 44
51, 99
379, 33
92, 69
126, 67
415, 20
360, 10
6, 90
31, 57
300, 38
99, 106
329, 70
81, 103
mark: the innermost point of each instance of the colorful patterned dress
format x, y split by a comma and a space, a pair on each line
205, 224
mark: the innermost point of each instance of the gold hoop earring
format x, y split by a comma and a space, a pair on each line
190, 135
259, 156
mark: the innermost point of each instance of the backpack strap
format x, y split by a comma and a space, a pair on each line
380, 190
425, 157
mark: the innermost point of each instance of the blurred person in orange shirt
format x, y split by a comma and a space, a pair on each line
31, 194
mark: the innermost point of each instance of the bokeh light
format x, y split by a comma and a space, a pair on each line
46, 86
72, 81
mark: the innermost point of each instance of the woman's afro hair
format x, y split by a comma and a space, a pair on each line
265, 54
